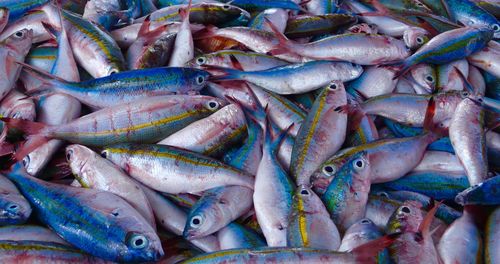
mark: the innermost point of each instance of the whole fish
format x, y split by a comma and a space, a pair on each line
125, 86
461, 242
130, 122
93, 171
310, 224
313, 143
296, 78
94, 221
273, 192
13, 49
356, 48
189, 172
14, 208
449, 46
217, 208
347, 195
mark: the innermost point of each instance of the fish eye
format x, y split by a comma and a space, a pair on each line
69, 154
465, 94
383, 194
200, 80
480, 100
366, 221
496, 27
429, 78
226, 7
358, 164
19, 34
196, 221
333, 86
405, 209
213, 105
329, 170
201, 60
26, 161
104, 153
13, 207
419, 4
420, 40
113, 71
304, 192
138, 241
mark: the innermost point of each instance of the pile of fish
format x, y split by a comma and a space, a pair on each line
249, 131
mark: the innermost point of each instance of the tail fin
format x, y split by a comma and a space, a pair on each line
184, 12
50, 82
274, 136
226, 73
355, 112
404, 67
32, 129
429, 124
425, 226
366, 252
284, 45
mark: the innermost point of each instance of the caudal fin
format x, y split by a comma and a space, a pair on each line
222, 73
425, 226
34, 131
284, 46
49, 81
366, 253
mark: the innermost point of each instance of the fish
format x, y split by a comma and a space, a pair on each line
30, 233
291, 79
125, 86
96, 129
237, 236
113, 229
273, 191
190, 172
314, 142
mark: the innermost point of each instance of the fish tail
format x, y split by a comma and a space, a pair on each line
32, 129
223, 73
355, 112
403, 67
184, 12
429, 124
425, 226
366, 252
49, 81
284, 45
274, 136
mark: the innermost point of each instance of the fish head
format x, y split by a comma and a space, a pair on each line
20, 42
306, 200
425, 75
142, 246
406, 218
198, 224
197, 79
14, 208
322, 177
364, 228
78, 157
415, 37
